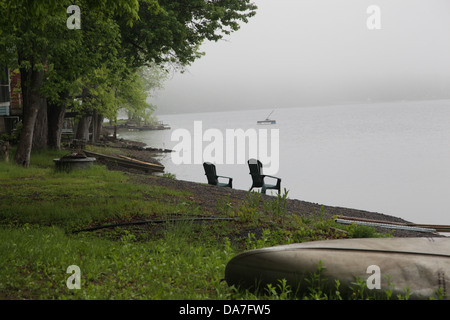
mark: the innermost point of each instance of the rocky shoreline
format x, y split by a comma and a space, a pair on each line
206, 195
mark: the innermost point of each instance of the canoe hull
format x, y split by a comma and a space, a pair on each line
421, 265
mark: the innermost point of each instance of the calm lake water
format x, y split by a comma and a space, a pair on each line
392, 158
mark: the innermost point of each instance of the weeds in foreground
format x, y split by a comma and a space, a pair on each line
35, 259
169, 175
317, 287
40, 208
278, 206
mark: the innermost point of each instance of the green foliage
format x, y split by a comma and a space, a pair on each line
175, 260
170, 32
14, 137
253, 199
316, 286
77, 198
277, 207
35, 39
132, 96
279, 227
363, 231
440, 294
101, 64
169, 175
35, 259
282, 291
247, 214
268, 238
224, 205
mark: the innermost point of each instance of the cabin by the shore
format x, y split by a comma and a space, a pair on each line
11, 100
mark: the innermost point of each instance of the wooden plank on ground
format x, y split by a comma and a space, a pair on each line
147, 166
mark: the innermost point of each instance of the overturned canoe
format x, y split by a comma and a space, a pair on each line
420, 265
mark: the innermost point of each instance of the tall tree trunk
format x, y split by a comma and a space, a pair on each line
94, 126
55, 115
30, 110
83, 128
24, 84
40, 133
85, 122
99, 126
115, 128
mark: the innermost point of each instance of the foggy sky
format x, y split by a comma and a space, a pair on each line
318, 52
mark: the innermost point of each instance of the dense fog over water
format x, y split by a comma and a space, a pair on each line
391, 158
320, 52
361, 93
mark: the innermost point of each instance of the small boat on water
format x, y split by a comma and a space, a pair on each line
267, 120
420, 265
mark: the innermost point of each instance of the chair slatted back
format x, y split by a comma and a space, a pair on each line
210, 172
255, 167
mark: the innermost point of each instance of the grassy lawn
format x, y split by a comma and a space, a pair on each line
41, 208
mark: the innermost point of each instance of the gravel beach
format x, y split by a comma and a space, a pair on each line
207, 196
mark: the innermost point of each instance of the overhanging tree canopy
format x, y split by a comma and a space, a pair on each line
136, 33
25, 42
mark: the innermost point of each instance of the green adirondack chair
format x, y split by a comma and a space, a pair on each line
258, 177
213, 178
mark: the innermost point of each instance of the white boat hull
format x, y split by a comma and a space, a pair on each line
421, 265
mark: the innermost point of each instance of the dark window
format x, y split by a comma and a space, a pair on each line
4, 94
4, 85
